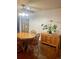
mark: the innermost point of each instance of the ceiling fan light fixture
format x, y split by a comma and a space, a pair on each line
28, 8
24, 14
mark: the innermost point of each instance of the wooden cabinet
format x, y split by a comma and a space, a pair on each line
50, 39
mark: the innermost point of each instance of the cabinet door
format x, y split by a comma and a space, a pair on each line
49, 39
42, 38
55, 40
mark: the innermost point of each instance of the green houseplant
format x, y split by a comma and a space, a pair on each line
49, 27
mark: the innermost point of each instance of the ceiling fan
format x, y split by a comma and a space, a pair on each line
27, 8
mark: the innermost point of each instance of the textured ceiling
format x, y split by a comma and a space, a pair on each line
41, 4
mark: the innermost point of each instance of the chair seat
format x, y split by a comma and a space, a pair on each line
19, 49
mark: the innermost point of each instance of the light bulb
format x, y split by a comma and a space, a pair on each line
23, 14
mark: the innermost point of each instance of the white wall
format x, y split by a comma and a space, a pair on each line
42, 17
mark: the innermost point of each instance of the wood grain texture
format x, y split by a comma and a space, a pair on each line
24, 35
45, 52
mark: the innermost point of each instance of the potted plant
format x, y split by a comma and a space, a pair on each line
49, 27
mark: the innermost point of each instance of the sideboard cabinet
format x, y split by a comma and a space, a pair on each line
50, 39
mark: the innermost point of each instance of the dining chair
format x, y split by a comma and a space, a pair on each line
19, 46
36, 44
33, 31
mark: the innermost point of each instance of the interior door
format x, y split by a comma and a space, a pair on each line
23, 24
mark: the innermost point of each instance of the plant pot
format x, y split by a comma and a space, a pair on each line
50, 32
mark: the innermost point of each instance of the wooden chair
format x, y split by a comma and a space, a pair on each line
33, 31
36, 44
19, 45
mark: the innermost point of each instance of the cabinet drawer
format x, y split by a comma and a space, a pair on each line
54, 41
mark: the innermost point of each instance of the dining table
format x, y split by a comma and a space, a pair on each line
26, 38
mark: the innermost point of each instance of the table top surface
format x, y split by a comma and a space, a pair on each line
24, 35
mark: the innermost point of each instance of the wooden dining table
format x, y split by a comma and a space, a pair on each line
26, 38
24, 35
